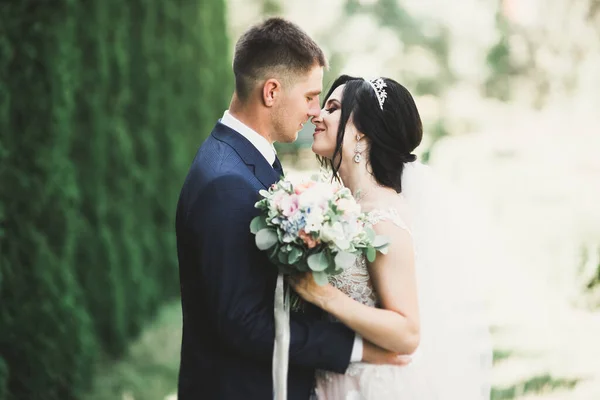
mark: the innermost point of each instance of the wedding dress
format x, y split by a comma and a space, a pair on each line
454, 357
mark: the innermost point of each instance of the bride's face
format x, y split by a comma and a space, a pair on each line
326, 126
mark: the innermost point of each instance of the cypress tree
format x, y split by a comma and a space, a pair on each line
102, 106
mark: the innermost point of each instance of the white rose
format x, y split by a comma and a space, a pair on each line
315, 196
335, 234
348, 206
314, 220
352, 228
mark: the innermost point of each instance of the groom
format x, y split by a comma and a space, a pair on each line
227, 284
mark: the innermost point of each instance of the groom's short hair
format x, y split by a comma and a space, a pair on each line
275, 47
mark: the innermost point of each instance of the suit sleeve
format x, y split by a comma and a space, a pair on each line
240, 293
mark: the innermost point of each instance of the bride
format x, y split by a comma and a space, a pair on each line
416, 299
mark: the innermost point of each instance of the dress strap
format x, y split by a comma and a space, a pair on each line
391, 214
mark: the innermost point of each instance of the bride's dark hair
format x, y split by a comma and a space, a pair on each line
394, 132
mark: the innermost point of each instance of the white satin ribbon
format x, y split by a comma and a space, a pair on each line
281, 348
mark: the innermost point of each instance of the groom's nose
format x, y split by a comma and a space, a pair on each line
314, 109
318, 117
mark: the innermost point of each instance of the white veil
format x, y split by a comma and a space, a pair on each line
455, 350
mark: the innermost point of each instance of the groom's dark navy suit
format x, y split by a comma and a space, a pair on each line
228, 285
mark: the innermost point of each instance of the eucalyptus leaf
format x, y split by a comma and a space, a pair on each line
344, 260
380, 241
383, 249
294, 255
273, 251
258, 224
371, 254
370, 234
320, 278
318, 262
343, 244
265, 239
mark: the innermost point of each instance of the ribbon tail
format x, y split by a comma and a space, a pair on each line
281, 348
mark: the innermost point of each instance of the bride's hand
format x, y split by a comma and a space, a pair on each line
304, 284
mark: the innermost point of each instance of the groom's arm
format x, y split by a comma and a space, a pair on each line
240, 293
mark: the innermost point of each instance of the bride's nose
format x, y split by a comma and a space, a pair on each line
318, 118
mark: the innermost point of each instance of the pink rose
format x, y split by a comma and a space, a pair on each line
289, 205
276, 199
302, 187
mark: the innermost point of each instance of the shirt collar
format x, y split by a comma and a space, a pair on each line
260, 142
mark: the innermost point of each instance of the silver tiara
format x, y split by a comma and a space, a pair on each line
379, 86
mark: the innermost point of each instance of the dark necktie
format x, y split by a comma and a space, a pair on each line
277, 166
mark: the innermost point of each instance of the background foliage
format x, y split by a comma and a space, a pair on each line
102, 106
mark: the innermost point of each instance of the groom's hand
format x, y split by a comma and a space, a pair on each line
373, 354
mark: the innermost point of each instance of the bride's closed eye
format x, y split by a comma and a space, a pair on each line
331, 109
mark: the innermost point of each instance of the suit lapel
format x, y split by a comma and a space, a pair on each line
248, 153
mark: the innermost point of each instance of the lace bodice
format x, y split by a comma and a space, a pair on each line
355, 281
364, 381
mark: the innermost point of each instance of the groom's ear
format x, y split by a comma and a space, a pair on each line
271, 92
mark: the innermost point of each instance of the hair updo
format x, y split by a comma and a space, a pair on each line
393, 132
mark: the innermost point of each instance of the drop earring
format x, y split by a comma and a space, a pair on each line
357, 150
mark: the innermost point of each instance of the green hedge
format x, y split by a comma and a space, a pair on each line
3, 379
102, 105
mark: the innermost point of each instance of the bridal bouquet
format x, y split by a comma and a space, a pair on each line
313, 226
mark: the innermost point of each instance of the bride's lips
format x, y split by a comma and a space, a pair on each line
318, 130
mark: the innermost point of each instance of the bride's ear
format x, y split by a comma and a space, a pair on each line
360, 138
271, 91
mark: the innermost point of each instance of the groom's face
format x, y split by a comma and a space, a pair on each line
299, 103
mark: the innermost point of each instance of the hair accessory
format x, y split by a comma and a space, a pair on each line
379, 86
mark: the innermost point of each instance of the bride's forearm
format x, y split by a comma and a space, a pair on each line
385, 328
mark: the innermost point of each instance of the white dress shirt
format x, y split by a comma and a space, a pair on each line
269, 153
260, 142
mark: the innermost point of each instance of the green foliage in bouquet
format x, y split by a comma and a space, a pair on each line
315, 226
